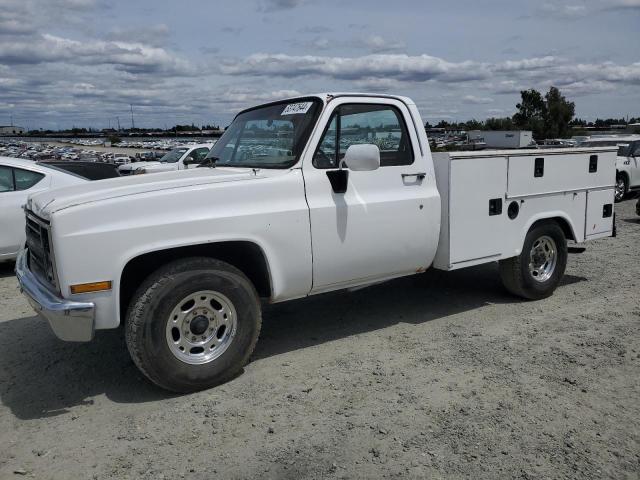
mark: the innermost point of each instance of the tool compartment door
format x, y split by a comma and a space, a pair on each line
542, 172
477, 209
599, 219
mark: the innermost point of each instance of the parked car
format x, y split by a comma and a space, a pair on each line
180, 158
88, 170
121, 160
627, 169
308, 195
18, 179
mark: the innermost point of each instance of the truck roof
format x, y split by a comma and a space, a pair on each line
327, 96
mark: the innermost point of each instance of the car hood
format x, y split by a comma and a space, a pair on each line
45, 203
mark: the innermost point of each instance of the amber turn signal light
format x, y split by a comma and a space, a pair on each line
91, 287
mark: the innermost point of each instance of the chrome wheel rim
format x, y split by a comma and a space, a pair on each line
543, 258
620, 188
201, 327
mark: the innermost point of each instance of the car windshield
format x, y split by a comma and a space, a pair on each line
272, 136
623, 150
173, 156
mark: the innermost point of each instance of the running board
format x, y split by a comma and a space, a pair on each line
576, 249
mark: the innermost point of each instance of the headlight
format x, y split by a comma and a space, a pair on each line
138, 171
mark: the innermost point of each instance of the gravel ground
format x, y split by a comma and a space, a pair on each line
435, 376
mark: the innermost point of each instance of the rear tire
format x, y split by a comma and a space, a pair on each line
622, 187
193, 324
536, 272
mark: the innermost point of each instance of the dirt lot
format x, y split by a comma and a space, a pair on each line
442, 375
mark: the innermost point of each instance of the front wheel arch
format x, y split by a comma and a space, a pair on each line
246, 256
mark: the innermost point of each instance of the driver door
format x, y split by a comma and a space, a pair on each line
377, 229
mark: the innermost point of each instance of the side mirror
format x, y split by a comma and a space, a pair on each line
362, 158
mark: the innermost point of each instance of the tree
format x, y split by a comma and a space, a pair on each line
559, 113
531, 113
499, 124
473, 125
546, 117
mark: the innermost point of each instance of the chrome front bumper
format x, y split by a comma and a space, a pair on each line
70, 321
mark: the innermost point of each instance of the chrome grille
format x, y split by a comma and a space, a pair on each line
40, 252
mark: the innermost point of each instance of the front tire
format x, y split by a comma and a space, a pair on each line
536, 272
193, 324
622, 187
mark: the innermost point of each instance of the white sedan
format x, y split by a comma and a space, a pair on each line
19, 179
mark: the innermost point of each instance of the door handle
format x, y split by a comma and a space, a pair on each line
419, 175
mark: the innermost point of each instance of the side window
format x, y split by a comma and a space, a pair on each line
26, 179
198, 154
354, 124
635, 149
325, 156
6, 179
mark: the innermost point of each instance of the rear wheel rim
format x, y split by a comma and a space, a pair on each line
201, 327
621, 188
543, 258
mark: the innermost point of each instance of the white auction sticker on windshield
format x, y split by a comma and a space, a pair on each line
296, 108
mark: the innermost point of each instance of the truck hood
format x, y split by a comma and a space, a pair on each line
45, 203
135, 165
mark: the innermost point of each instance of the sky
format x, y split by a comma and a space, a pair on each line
82, 63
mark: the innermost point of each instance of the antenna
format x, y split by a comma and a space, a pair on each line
118, 118
133, 125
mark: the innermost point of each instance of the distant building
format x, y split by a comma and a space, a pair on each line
11, 130
503, 138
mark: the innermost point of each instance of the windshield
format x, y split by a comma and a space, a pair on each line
623, 150
173, 156
272, 136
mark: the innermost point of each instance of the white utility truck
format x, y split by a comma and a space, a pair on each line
180, 158
299, 197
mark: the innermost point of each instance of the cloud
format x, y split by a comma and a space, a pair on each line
378, 44
622, 5
317, 29
230, 29
318, 43
275, 5
562, 11
402, 67
529, 64
154, 35
21, 17
378, 84
477, 100
383, 72
128, 57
